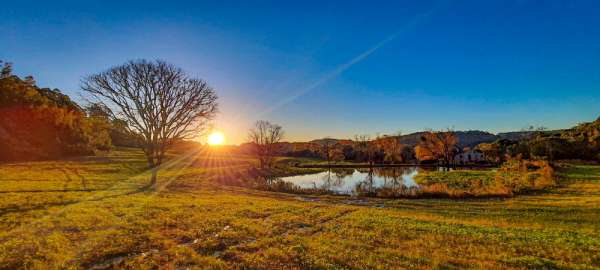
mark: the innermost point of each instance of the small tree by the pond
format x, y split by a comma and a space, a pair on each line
264, 137
158, 102
437, 145
392, 148
366, 146
329, 151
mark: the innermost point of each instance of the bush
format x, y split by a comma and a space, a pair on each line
514, 176
523, 175
461, 183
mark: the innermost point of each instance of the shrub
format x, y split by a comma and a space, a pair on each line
514, 176
462, 183
523, 175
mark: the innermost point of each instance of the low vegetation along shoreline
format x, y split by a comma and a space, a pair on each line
514, 177
366, 165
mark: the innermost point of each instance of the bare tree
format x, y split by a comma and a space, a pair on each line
365, 145
264, 138
327, 149
437, 145
392, 147
158, 101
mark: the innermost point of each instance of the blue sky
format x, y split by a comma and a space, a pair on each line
337, 68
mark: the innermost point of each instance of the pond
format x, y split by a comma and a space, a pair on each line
359, 181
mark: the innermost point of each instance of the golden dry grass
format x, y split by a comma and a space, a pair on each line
95, 213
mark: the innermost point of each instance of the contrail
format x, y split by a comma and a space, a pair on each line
340, 69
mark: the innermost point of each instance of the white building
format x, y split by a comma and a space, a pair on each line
469, 156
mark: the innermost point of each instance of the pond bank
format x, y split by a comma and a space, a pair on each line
361, 165
410, 181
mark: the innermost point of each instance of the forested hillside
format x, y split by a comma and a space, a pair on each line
42, 123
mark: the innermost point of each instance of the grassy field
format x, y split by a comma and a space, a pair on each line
95, 213
514, 177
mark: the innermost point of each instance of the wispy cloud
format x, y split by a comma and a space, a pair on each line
420, 18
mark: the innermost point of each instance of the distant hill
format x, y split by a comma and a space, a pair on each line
325, 141
582, 141
469, 138
585, 132
516, 135
523, 135
474, 137
466, 138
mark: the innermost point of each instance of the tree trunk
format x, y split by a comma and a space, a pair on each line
153, 165
153, 178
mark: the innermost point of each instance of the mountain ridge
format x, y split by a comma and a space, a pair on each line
468, 138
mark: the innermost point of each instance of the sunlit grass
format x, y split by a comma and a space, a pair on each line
49, 221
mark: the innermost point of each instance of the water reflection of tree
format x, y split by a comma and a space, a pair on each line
367, 186
343, 173
326, 179
393, 181
391, 176
335, 178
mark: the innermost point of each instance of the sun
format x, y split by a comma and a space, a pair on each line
216, 138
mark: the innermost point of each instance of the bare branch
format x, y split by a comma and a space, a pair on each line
157, 100
264, 138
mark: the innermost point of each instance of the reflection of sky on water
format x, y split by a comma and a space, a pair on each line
345, 181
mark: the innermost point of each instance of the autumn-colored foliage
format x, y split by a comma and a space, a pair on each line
525, 175
439, 146
40, 123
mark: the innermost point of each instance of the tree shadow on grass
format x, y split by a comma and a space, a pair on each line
9, 210
61, 190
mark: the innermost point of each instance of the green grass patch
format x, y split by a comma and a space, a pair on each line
194, 222
461, 179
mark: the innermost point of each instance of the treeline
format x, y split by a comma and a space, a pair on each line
580, 142
442, 147
41, 123
383, 149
